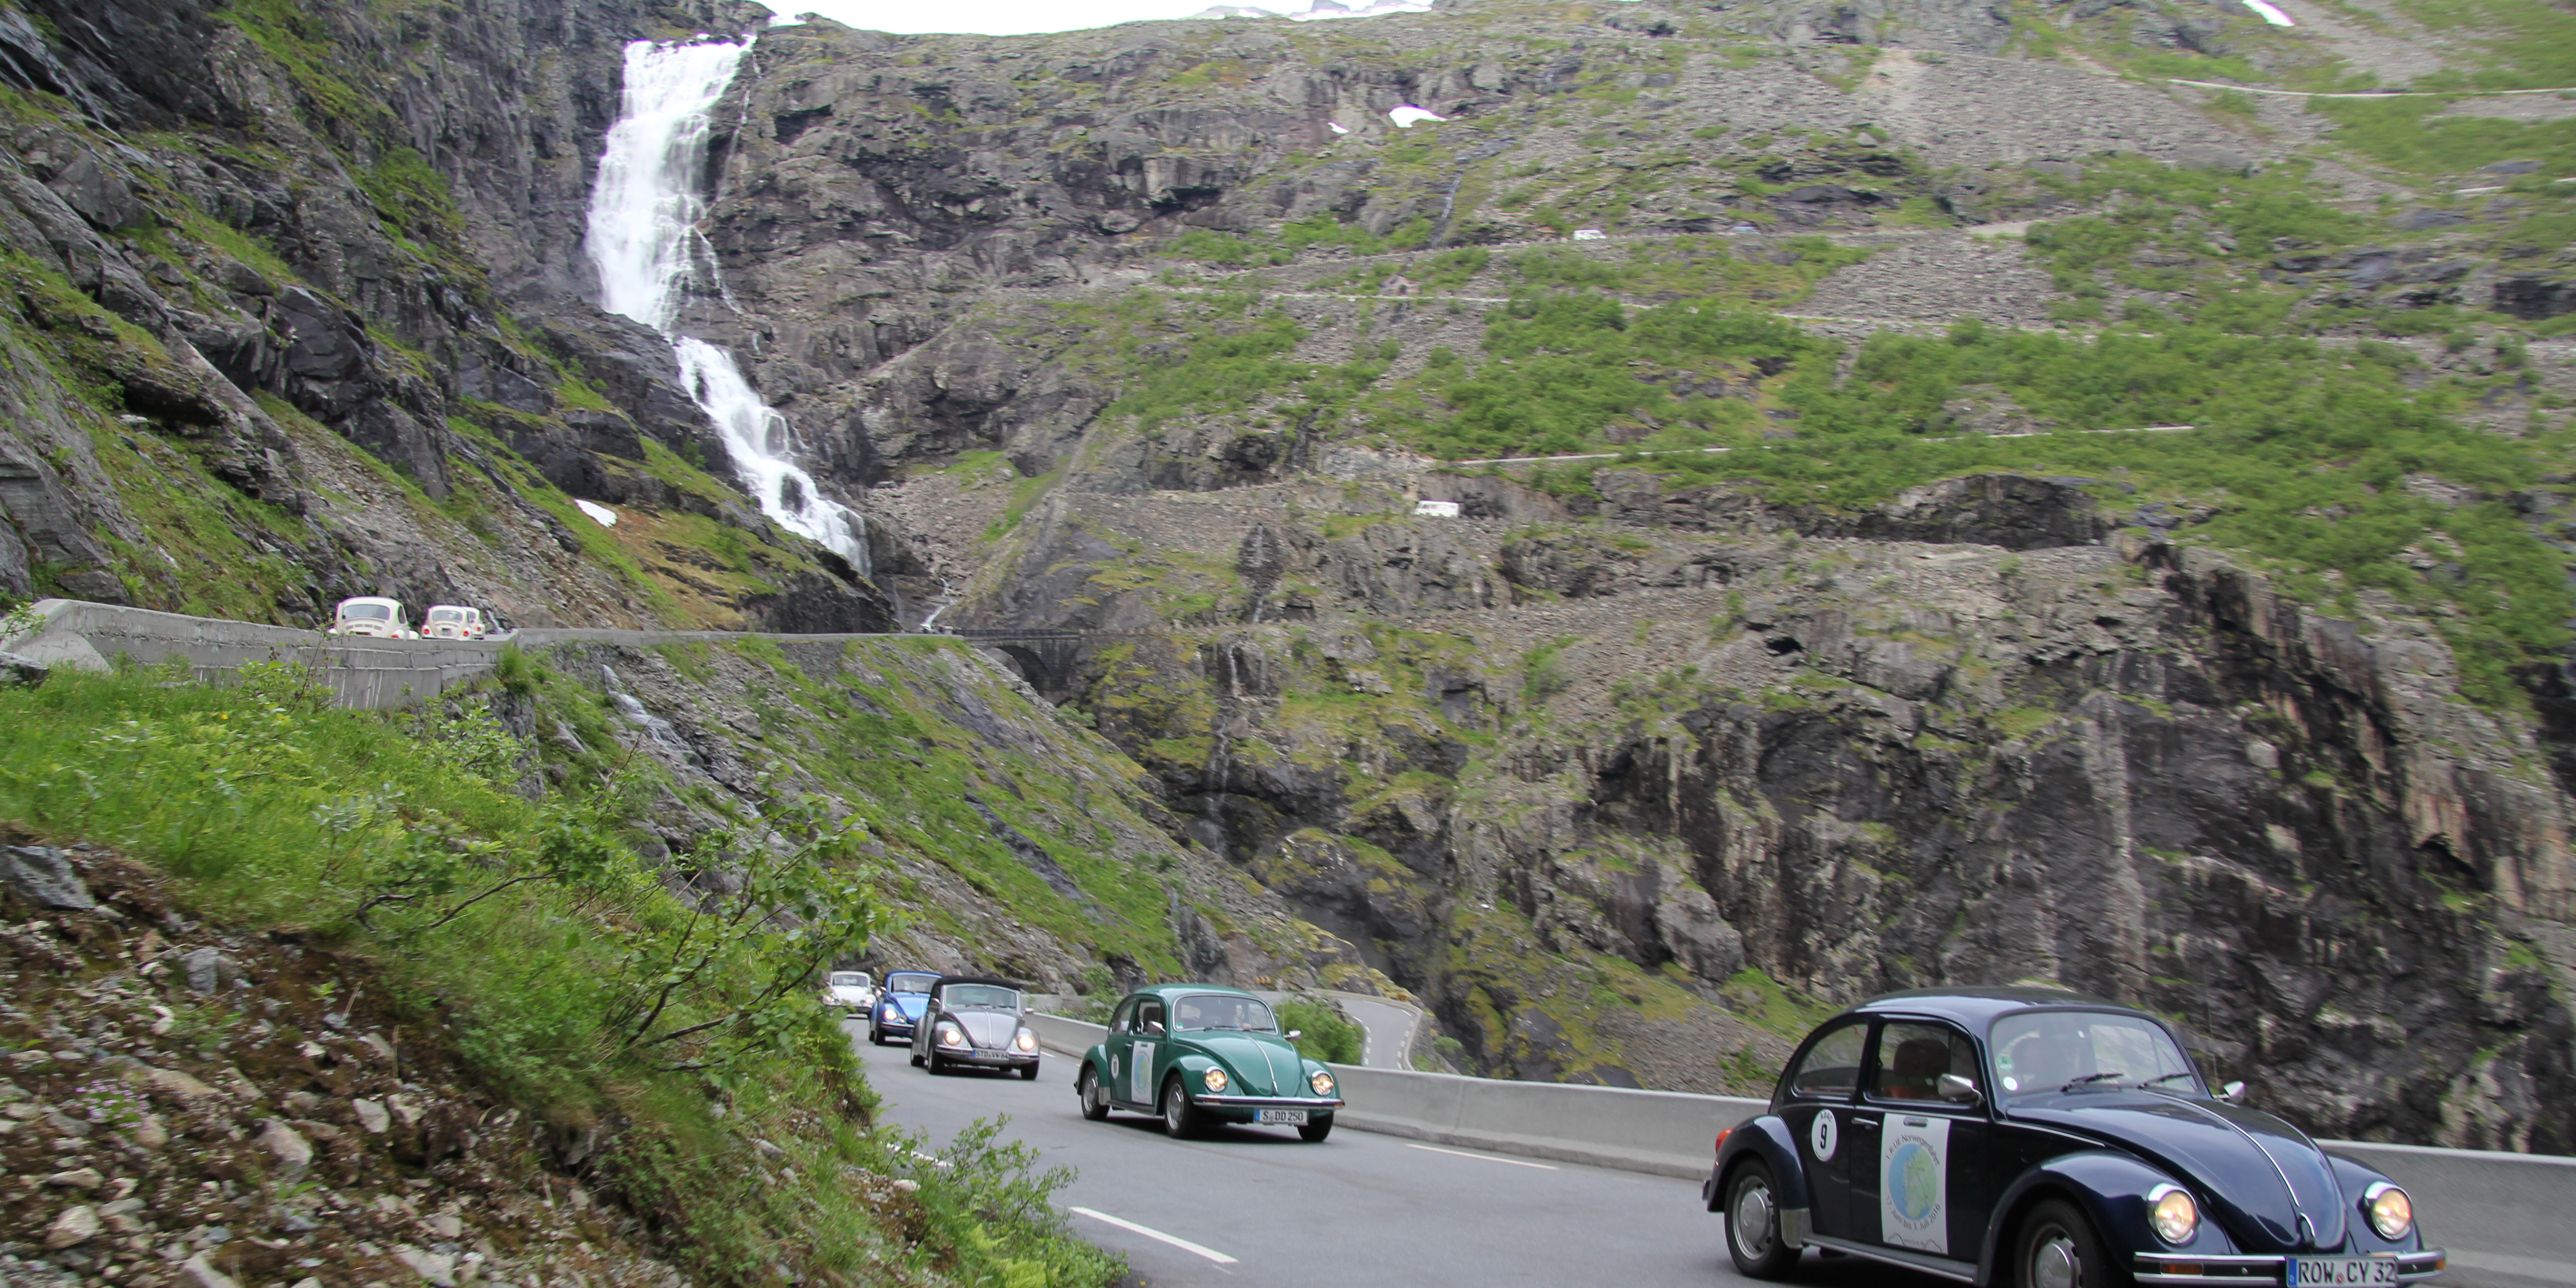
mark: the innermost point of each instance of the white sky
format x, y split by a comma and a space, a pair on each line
999, 17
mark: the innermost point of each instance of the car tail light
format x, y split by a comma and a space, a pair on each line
1722, 1134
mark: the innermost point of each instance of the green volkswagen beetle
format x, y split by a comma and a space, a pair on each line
1203, 1053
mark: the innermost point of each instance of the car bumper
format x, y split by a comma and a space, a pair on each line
2178, 1268
893, 1027
997, 1059
1207, 1101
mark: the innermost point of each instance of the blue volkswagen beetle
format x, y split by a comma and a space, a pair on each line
900, 1005
2033, 1138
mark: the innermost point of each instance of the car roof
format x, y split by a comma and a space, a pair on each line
1177, 990
893, 971
946, 980
372, 599
1976, 1007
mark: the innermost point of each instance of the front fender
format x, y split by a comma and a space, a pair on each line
2355, 1179
1192, 1066
1306, 1071
1768, 1138
1097, 1060
2111, 1188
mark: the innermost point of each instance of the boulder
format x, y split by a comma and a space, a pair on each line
293, 1153
77, 1225
2209, 156
21, 671
43, 875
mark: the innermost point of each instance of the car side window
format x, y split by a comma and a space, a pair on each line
1126, 1013
1149, 1013
1913, 1056
1831, 1069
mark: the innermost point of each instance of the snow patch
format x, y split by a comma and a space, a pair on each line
607, 517
1405, 114
2271, 12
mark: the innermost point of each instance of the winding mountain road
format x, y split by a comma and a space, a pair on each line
1258, 1206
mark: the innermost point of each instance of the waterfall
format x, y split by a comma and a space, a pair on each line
644, 216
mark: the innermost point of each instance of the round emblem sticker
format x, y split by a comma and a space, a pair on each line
1821, 1137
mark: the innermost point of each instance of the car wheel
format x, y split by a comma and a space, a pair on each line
2058, 1249
1753, 1223
1180, 1120
1029, 1071
916, 1059
1095, 1098
1315, 1129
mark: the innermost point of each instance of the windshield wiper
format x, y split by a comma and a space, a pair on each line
2163, 1077
2113, 1076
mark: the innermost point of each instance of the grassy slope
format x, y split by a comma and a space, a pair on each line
374, 835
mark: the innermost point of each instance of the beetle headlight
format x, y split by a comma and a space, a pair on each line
2391, 1213
1214, 1078
1025, 1040
2173, 1214
1322, 1082
951, 1035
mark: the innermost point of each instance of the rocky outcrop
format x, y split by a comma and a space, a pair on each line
1995, 729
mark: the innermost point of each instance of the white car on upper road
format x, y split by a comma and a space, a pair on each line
853, 991
374, 617
454, 622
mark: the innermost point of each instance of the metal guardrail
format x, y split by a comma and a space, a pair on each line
2509, 1220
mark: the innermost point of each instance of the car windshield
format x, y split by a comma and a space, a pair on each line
447, 615
849, 979
910, 983
1220, 1011
365, 613
2046, 1052
981, 997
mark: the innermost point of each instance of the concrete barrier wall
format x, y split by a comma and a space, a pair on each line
367, 673
361, 672
2508, 1219
1666, 1133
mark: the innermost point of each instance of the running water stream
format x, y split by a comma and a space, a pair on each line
644, 216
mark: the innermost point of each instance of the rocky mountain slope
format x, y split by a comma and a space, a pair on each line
1160, 333
1841, 651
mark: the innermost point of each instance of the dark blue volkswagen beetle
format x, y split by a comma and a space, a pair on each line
2032, 1138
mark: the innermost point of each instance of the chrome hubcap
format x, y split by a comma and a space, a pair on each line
1752, 1220
2053, 1263
1172, 1107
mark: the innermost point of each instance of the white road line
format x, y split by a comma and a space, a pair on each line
1544, 1167
1152, 1233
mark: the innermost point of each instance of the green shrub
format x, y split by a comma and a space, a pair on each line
1325, 1035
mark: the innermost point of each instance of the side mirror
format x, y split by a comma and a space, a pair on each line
1154, 1027
2232, 1092
1958, 1090
1294, 1034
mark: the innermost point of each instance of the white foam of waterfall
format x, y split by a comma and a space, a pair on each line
644, 215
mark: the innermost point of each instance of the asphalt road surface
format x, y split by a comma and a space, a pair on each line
1257, 1206
1389, 1031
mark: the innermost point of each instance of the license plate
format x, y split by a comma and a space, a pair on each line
1297, 1118
2312, 1272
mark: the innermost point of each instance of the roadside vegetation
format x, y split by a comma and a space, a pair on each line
1322, 1032
569, 978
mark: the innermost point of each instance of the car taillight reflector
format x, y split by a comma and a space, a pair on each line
1722, 1133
